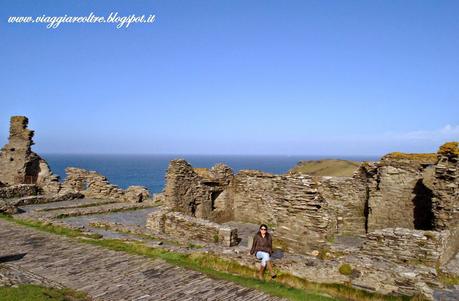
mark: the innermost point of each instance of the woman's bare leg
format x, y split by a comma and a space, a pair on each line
261, 271
270, 268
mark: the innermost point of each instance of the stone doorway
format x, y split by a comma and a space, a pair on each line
423, 217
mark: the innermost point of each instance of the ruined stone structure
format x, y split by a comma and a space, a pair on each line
19, 164
187, 228
17, 191
24, 173
96, 186
414, 192
197, 192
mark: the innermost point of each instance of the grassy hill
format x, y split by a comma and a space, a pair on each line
332, 167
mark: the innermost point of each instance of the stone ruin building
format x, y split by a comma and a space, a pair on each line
23, 173
405, 207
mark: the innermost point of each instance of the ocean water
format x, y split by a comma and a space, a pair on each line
150, 170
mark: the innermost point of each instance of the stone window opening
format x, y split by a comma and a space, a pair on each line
423, 217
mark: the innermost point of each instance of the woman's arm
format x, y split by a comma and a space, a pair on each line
254, 245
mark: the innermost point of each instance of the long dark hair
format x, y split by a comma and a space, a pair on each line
259, 230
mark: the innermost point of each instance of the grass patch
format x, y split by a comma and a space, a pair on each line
286, 285
47, 227
345, 269
31, 292
194, 246
448, 280
337, 168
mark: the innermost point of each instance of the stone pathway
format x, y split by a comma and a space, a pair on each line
111, 275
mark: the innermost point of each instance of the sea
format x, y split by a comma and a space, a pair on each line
150, 170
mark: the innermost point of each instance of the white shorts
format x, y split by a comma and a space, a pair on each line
263, 256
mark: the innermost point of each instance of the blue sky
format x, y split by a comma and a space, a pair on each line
235, 77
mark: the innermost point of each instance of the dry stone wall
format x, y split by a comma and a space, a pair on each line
196, 191
446, 188
18, 191
397, 194
347, 199
94, 185
290, 203
407, 246
184, 227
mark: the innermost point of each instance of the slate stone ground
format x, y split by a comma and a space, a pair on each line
111, 275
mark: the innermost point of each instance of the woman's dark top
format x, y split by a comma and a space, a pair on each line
262, 244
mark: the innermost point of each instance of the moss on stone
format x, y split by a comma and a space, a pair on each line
449, 149
345, 269
428, 158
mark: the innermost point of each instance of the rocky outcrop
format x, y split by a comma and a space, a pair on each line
184, 227
19, 164
94, 185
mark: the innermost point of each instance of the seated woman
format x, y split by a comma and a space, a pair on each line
262, 247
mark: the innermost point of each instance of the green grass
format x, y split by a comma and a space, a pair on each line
337, 168
46, 227
345, 269
286, 285
31, 292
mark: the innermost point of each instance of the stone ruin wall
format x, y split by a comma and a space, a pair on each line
291, 204
185, 228
94, 185
397, 194
198, 192
407, 246
401, 190
19, 191
20, 165
445, 200
347, 200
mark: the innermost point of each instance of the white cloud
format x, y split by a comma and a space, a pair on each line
448, 132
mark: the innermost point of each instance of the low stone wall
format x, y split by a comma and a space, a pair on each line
407, 246
19, 191
185, 227
96, 186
